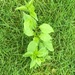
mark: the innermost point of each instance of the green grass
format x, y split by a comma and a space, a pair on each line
60, 14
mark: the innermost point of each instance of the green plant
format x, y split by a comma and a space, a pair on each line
38, 49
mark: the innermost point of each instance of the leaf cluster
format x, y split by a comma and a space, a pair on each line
38, 49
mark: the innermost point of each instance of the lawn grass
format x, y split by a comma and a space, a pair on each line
60, 14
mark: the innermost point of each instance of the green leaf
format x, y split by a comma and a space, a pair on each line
27, 54
38, 61
32, 46
31, 2
31, 21
48, 57
49, 45
24, 8
34, 15
25, 16
43, 52
42, 59
31, 8
41, 45
46, 28
29, 24
27, 30
27, 7
33, 63
45, 37
36, 39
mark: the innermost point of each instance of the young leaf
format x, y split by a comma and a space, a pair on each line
27, 30
46, 28
48, 57
49, 45
43, 52
41, 45
36, 39
24, 8
31, 8
25, 16
27, 54
32, 46
45, 37
31, 21
42, 59
33, 63
31, 2
34, 55
38, 61
34, 15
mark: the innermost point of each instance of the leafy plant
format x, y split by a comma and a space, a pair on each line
38, 49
